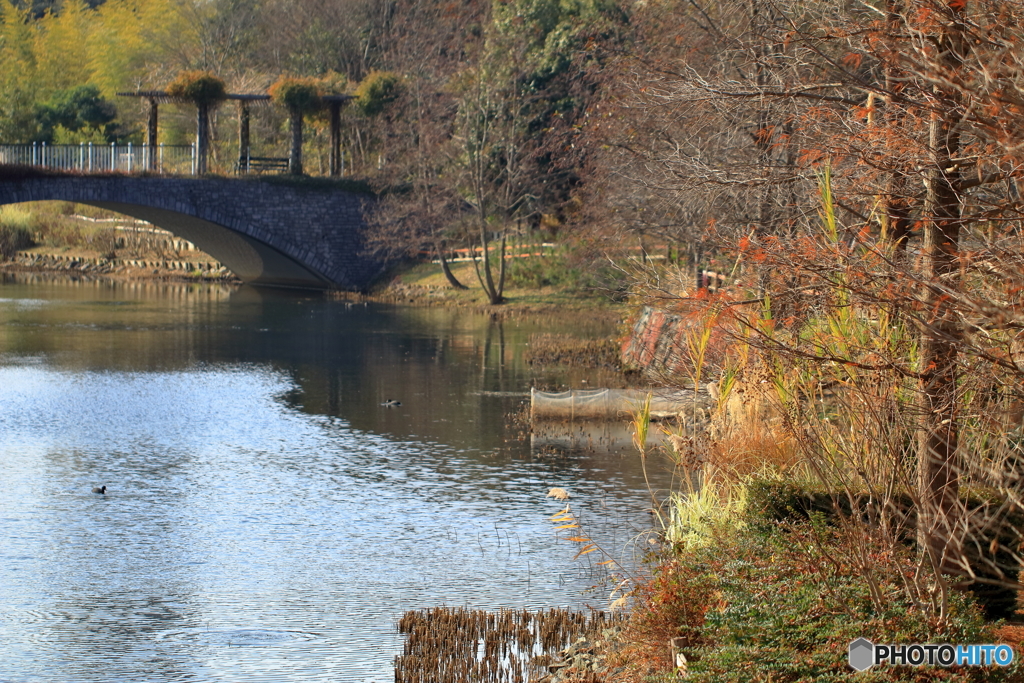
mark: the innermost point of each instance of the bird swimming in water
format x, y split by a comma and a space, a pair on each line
391, 403
100, 489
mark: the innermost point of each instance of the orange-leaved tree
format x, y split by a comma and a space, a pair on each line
860, 167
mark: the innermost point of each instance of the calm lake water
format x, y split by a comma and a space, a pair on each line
266, 518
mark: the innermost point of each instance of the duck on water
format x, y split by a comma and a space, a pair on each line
100, 489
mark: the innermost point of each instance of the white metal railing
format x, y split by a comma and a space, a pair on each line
91, 158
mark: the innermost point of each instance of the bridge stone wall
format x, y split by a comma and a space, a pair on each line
267, 232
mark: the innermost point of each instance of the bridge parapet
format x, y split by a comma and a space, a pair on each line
112, 158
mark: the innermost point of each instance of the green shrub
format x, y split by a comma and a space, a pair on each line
17, 226
64, 136
78, 114
198, 87
541, 271
772, 501
13, 238
377, 91
17, 216
297, 94
564, 268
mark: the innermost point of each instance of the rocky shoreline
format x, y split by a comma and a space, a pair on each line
120, 268
587, 660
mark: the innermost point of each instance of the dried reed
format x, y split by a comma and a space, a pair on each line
453, 645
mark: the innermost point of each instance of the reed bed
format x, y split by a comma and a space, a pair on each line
454, 645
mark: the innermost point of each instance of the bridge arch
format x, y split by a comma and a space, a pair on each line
267, 233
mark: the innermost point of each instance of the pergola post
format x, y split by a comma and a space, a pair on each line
243, 136
295, 155
151, 135
335, 106
202, 137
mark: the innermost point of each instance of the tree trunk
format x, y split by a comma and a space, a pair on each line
938, 465
938, 462
501, 269
448, 274
494, 294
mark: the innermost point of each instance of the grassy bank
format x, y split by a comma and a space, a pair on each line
760, 577
547, 283
750, 598
795, 528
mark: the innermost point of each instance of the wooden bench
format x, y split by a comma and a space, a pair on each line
262, 164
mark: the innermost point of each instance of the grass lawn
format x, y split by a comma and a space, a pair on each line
426, 282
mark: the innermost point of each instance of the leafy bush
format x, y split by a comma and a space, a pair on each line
17, 216
16, 230
569, 270
377, 91
297, 94
541, 271
673, 604
46, 223
198, 87
76, 115
333, 83
786, 501
780, 501
64, 136
13, 238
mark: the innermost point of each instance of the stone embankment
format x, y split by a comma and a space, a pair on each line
68, 263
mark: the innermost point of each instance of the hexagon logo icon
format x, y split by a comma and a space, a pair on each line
862, 654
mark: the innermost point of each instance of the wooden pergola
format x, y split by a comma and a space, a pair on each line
334, 103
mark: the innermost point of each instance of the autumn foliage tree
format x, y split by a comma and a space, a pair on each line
858, 165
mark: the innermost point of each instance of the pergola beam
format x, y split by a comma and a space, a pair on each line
334, 104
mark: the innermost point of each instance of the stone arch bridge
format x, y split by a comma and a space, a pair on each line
268, 232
